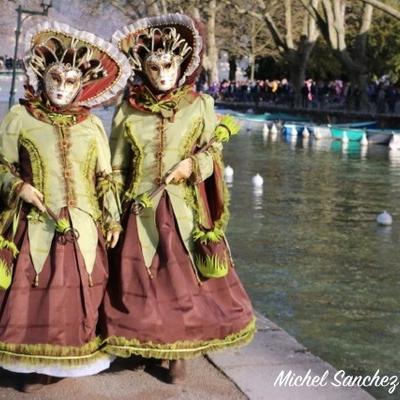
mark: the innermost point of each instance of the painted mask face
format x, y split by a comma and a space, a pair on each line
62, 84
162, 70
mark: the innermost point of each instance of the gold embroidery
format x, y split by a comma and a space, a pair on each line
159, 139
64, 146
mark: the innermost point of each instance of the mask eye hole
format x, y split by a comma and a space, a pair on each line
154, 68
168, 65
71, 81
55, 78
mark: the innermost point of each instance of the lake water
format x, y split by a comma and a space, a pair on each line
309, 251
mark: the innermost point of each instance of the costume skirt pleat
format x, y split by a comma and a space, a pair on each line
51, 328
170, 316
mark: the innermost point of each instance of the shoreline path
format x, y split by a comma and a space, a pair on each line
239, 374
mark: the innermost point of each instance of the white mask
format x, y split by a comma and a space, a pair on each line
62, 84
162, 70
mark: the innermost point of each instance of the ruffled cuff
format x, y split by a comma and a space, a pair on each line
107, 192
202, 165
113, 226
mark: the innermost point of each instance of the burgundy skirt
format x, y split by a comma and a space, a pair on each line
170, 316
53, 325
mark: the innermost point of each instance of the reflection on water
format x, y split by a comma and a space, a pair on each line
308, 248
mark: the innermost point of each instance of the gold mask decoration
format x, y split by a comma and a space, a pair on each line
62, 83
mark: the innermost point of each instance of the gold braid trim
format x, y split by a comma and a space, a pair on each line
39, 171
64, 146
123, 347
137, 150
47, 354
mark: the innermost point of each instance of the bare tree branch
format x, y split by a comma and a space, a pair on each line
384, 7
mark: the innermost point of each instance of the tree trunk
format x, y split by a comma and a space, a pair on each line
212, 50
252, 68
232, 68
297, 77
298, 61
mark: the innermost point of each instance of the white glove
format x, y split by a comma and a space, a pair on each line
31, 195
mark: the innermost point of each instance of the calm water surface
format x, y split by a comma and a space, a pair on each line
309, 251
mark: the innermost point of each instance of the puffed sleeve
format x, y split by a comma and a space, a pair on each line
120, 148
203, 162
106, 186
10, 183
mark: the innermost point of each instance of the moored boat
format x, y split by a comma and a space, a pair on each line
380, 136
353, 135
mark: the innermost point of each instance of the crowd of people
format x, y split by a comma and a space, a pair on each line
382, 93
7, 63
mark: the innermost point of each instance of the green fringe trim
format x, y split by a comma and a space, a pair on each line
191, 137
144, 199
107, 183
5, 218
46, 354
123, 347
213, 235
39, 170
35, 216
138, 156
5, 275
14, 192
88, 169
227, 127
62, 225
6, 244
211, 266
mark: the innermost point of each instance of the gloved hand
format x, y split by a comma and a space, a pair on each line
31, 195
112, 238
181, 172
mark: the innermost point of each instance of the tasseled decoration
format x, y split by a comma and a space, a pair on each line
226, 128
150, 273
36, 280
90, 280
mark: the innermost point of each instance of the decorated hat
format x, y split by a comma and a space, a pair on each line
104, 69
172, 33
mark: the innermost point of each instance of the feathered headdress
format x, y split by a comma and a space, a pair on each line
176, 34
103, 68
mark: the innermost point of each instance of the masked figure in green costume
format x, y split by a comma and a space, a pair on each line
173, 291
60, 206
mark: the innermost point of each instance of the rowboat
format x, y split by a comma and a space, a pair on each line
351, 148
380, 136
297, 128
322, 132
353, 135
250, 116
358, 125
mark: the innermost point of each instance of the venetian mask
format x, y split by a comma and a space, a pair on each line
62, 84
162, 69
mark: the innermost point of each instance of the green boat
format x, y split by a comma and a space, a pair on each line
351, 148
354, 135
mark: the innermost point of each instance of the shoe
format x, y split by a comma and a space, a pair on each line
177, 371
34, 382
